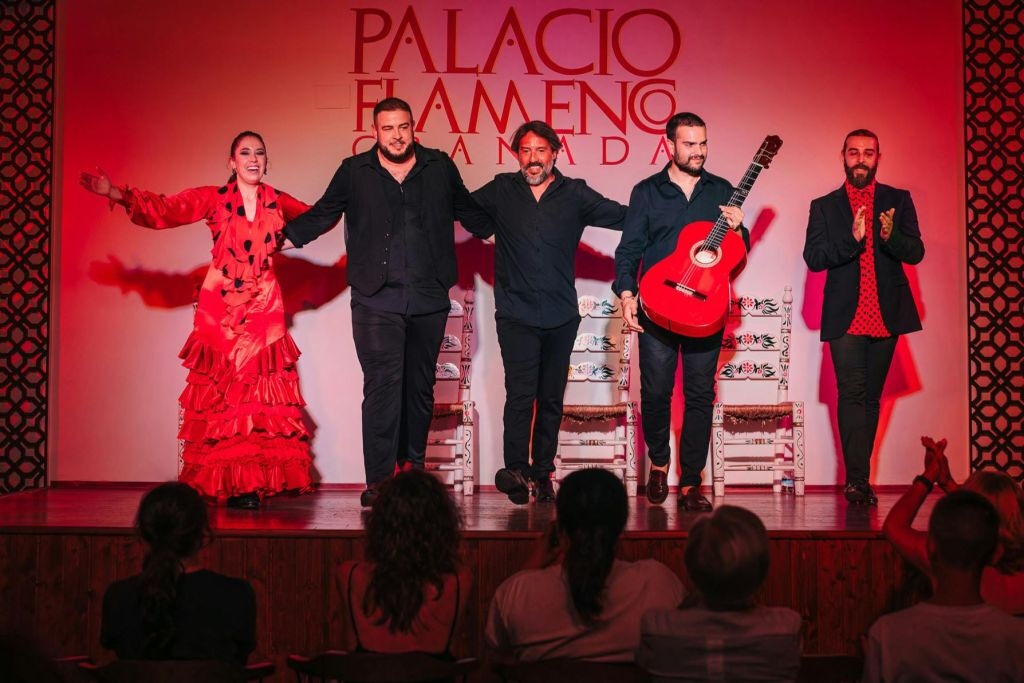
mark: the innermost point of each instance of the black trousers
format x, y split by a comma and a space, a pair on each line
861, 364
536, 369
398, 354
659, 357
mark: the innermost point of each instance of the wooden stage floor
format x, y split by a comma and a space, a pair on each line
488, 514
61, 547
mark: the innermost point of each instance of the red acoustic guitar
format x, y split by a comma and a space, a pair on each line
688, 291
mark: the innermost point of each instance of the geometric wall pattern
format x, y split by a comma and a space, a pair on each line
994, 116
26, 177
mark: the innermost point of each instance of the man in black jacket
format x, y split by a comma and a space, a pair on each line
400, 201
660, 207
863, 233
539, 217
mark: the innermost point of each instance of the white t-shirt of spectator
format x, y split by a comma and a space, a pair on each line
699, 644
946, 643
532, 616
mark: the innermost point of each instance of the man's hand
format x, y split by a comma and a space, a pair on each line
886, 218
859, 224
733, 216
629, 311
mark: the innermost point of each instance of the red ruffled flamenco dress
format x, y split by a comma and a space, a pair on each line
242, 428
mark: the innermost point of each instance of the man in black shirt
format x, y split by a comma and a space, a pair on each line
659, 208
539, 217
400, 202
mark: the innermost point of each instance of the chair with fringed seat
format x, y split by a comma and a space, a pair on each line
455, 364
611, 355
757, 351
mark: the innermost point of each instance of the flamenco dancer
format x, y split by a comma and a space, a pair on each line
243, 431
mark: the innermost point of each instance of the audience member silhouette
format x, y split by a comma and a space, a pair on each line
175, 609
575, 600
954, 636
721, 633
1002, 583
411, 593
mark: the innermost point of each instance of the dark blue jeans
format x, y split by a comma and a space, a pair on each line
861, 364
659, 357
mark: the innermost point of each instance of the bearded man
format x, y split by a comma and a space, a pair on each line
538, 221
400, 201
661, 207
862, 234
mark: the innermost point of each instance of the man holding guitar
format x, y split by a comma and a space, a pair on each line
659, 207
863, 233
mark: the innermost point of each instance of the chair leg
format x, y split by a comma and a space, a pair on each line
468, 444
779, 455
798, 447
630, 472
718, 450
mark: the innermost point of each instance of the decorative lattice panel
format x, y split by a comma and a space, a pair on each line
994, 112
26, 147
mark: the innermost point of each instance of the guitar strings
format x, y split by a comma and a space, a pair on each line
721, 226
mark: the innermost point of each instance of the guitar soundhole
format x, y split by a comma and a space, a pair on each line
704, 257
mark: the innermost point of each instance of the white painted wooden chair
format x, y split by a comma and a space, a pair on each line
606, 360
760, 349
455, 364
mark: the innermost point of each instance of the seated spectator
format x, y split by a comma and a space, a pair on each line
1002, 583
175, 609
575, 600
954, 636
411, 593
721, 633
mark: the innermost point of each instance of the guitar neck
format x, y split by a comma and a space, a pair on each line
743, 188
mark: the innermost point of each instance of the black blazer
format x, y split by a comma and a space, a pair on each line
358, 190
830, 246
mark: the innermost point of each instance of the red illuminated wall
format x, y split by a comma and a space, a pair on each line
154, 93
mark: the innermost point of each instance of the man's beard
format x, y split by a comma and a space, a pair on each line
687, 169
539, 179
396, 158
859, 183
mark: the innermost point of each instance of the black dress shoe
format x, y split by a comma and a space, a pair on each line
544, 490
693, 501
246, 501
657, 487
853, 494
367, 497
513, 484
860, 493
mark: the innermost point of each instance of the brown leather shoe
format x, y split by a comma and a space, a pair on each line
657, 486
693, 501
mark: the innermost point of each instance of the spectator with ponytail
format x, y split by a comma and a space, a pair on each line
575, 600
175, 609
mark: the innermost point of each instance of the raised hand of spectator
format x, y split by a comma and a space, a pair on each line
934, 458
